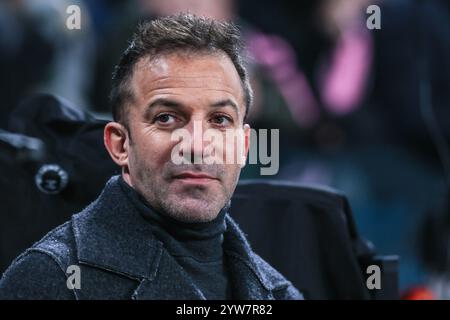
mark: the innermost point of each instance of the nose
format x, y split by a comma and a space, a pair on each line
195, 152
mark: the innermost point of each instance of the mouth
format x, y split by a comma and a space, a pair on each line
194, 178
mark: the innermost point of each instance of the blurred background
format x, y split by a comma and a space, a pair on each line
364, 111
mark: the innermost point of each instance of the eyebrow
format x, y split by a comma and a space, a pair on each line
175, 104
226, 102
165, 103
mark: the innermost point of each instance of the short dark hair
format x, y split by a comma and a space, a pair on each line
182, 32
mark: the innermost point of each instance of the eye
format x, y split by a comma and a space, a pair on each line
222, 120
165, 119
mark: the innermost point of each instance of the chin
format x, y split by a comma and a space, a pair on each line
193, 210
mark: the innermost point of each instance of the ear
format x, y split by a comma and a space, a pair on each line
116, 141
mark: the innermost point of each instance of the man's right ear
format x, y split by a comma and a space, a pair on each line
116, 141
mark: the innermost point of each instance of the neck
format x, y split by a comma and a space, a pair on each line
200, 240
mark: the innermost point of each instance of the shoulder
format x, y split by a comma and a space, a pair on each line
40, 272
34, 275
59, 244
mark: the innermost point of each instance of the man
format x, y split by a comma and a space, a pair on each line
161, 230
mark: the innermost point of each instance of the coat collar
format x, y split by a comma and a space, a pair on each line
112, 234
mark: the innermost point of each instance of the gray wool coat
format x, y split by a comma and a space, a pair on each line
117, 257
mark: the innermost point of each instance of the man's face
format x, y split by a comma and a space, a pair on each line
191, 92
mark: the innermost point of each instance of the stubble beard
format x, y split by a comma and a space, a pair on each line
192, 204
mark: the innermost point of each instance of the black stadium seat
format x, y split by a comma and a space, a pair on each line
308, 234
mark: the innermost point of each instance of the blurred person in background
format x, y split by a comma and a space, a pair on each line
38, 53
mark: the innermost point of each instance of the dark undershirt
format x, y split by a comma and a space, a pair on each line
197, 247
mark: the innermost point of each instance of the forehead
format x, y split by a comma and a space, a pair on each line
186, 74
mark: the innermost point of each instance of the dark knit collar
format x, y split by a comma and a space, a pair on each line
199, 240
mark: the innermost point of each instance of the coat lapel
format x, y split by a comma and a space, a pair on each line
171, 283
244, 281
248, 272
111, 234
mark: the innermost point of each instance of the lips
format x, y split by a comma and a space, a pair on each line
194, 178
194, 175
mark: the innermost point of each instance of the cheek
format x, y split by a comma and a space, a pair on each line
234, 148
151, 151
230, 178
